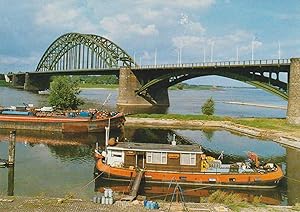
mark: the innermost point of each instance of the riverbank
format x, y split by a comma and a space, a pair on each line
243, 126
66, 204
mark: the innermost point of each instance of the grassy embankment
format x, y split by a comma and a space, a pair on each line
262, 123
3, 83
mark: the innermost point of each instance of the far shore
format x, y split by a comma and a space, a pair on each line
98, 88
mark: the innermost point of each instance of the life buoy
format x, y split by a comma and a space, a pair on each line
204, 164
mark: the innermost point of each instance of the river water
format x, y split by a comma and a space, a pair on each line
55, 164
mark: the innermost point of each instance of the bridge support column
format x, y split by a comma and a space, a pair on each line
18, 80
293, 112
129, 102
36, 83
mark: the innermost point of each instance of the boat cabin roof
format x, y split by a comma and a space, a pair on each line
151, 147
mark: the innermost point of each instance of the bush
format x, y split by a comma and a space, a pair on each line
208, 108
63, 93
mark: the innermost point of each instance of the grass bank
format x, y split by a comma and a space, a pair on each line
262, 123
3, 83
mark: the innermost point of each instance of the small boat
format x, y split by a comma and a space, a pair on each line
3, 163
46, 119
184, 164
44, 92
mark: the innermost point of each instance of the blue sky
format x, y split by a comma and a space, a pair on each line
28, 27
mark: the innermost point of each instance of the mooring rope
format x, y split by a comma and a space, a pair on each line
83, 187
168, 194
93, 180
290, 178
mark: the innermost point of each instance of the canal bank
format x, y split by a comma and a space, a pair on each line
284, 138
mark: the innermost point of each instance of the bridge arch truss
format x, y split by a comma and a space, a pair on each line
75, 51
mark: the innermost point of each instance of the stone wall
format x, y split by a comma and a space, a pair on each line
293, 113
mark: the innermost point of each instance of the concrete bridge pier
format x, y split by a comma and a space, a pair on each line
293, 112
18, 81
36, 83
129, 102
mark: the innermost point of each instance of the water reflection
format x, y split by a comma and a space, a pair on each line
78, 153
208, 133
56, 163
11, 181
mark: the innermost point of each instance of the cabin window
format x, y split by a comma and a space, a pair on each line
188, 159
156, 157
148, 157
115, 153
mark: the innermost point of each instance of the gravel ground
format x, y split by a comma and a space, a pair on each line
40, 204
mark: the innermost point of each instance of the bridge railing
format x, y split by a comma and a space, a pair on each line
221, 64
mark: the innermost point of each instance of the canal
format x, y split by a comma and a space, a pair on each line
55, 164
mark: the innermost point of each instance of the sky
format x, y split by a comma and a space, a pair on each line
217, 30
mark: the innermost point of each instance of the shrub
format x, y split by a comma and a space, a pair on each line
208, 108
63, 93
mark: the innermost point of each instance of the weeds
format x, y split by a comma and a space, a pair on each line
256, 201
232, 200
296, 207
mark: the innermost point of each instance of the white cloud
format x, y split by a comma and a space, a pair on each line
64, 15
224, 46
187, 41
146, 55
190, 4
58, 13
197, 28
123, 26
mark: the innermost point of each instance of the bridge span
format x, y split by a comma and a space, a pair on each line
145, 86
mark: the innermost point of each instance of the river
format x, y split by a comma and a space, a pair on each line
55, 164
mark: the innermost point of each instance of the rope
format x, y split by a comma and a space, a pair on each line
177, 187
83, 187
93, 180
298, 181
168, 194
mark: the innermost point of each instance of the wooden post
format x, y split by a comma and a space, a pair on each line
11, 181
12, 148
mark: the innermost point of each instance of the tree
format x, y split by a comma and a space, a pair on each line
63, 93
180, 86
208, 108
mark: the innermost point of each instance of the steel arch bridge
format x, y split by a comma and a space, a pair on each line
75, 51
263, 74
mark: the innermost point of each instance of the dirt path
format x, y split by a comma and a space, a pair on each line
277, 136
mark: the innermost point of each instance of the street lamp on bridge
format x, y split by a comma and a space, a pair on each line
212, 50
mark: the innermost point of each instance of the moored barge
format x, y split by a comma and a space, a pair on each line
66, 122
184, 164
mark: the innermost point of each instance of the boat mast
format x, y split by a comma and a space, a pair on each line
106, 138
105, 101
